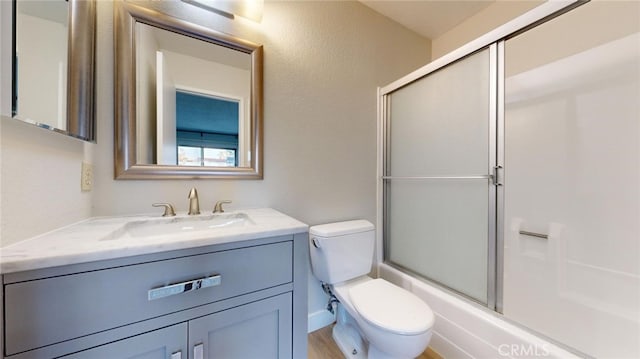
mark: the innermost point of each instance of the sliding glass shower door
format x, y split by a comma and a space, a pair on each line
439, 194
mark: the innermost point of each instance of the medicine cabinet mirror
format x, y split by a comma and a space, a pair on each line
53, 63
188, 98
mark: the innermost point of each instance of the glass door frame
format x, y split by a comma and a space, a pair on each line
493, 40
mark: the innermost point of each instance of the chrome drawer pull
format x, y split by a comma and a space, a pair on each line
183, 287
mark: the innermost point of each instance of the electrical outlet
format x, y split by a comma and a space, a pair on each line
86, 180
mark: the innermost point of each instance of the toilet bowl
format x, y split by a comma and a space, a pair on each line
375, 319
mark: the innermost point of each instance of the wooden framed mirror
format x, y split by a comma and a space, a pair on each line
188, 99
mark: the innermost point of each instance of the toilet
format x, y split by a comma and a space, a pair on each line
375, 319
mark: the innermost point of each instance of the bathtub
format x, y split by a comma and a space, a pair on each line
465, 330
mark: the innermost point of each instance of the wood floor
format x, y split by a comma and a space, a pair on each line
322, 346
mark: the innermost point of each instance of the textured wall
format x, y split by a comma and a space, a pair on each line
40, 178
323, 62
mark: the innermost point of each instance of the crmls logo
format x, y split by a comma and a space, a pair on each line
522, 350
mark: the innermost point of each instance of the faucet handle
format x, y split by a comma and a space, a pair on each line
218, 207
168, 209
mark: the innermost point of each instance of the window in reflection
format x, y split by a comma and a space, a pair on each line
203, 156
189, 156
210, 123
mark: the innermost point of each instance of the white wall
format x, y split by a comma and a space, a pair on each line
40, 178
215, 77
42, 70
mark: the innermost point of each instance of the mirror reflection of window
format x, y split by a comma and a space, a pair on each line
219, 157
211, 123
203, 156
189, 156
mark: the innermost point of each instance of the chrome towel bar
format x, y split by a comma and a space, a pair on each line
533, 234
435, 177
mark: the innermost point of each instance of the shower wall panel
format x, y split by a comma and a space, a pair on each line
572, 172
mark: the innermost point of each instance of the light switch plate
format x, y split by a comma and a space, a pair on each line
86, 180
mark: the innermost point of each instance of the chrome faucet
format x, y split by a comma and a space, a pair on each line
194, 204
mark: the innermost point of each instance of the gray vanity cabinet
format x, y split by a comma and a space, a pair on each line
165, 343
260, 329
250, 303
257, 330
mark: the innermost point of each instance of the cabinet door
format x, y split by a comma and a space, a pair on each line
166, 343
261, 329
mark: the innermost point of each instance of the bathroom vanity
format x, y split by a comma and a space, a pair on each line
236, 288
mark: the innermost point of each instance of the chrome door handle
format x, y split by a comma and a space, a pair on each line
497, 179
188, 286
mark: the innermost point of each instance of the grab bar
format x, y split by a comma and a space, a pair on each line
533, 234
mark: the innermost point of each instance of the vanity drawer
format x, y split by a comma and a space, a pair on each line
50, 310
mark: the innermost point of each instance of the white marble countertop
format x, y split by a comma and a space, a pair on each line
107, 238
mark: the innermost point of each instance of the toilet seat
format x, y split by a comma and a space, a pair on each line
391, 308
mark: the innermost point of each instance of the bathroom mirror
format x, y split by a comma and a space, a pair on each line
188, 98
53, 65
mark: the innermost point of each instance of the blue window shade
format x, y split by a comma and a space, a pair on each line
205, 114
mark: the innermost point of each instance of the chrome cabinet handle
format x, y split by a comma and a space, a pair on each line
198, 351
176, 355
188, 286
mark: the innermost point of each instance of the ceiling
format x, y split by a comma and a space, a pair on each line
429, 18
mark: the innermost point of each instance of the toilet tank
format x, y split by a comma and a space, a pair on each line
341, 251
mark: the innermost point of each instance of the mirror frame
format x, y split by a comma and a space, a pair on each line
81, 122
125, 17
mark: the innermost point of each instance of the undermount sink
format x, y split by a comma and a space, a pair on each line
182, 225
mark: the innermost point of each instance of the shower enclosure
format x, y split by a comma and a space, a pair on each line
510, 174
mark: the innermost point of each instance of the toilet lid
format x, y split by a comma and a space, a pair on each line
391, 308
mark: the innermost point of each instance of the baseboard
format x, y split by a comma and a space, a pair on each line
320, 319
